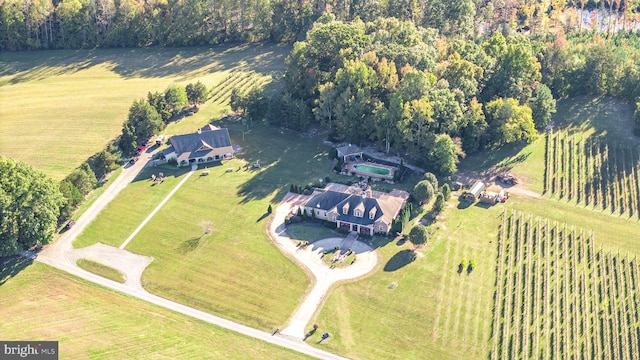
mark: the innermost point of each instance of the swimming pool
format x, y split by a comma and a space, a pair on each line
374, 170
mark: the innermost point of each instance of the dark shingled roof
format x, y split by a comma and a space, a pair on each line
348, 149
354, 201
326, 200
334, 198
206, 143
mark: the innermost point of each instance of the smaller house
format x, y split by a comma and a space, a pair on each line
208, 144
473, 194
349, 151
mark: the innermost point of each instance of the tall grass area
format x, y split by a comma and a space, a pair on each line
91, 322
60, 107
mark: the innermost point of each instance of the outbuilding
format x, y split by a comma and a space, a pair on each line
474, 193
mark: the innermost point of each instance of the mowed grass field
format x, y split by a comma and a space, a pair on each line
57, 108
432, 312
421, 309
91, 322
235, 271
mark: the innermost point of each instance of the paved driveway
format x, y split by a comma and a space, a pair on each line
309, 258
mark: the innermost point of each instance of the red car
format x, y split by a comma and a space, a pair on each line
141, 149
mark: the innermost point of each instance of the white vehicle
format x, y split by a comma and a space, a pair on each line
160, 140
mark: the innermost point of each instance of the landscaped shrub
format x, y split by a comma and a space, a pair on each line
269, 209
327, 179
462, 266
396, 226
422, 192
446, 191
292, 219
432, 179
439, 203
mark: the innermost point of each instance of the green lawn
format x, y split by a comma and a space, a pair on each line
235, 271
134, 203
432, 312
102, 270
60, 107
91, 322
311, 231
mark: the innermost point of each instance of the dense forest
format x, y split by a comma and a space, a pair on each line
433, 98
72, 24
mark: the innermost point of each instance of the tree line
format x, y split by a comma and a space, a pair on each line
32, 204
435, 98
72, 24
149, 116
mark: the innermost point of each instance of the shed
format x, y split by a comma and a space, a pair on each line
489, 197
347, 151
474, 193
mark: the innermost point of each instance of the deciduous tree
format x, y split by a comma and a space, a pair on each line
144, 120
196, 93
444, 155
176, 98
29, 207
509, 122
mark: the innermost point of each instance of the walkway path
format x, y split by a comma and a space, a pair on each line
310, 258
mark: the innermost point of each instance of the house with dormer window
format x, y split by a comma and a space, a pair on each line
355, 209
208, 144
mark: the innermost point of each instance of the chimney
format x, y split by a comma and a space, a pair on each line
199, 131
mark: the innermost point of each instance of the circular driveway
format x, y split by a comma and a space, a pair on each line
310, 257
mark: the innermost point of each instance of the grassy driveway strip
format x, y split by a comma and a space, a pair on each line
124, 213
155, 210
102, 270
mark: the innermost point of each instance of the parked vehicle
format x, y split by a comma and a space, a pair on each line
508, 178
160, 140
141, 149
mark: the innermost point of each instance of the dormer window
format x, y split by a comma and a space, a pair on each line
372, 213
357, 213
345, 209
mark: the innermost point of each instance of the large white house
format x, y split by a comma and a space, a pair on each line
355, 209
208, 144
